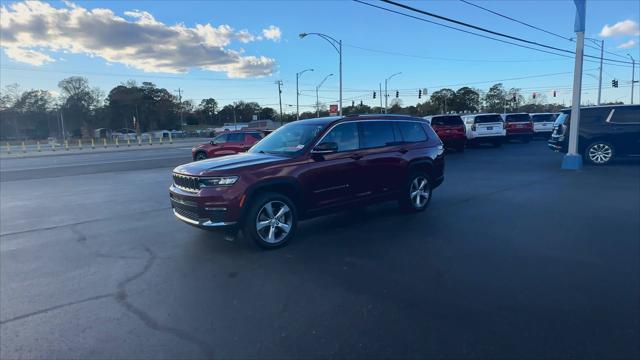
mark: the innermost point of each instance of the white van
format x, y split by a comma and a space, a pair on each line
485, 128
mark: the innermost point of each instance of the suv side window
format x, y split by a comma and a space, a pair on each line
236, 137
256, 136
345, 135
221, 139
377, 134
412, 131
626, 116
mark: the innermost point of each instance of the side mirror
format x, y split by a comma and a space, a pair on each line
325, 148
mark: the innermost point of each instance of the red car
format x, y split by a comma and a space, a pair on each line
519, 126
450, 129
307, 168
226, 144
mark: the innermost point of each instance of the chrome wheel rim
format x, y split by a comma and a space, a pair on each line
201, 156
600, 153
274, 222
419, 192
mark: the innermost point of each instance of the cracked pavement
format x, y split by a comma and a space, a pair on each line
514, 258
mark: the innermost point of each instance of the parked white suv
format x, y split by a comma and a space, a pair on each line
485, 128
543, 123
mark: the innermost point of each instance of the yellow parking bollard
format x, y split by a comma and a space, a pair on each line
38, 146
128, 142
150, 141
8, 148
80, 144
117, 143
53, 146
170, 139
139, 140
66, 145
104, 142
160, 140
24, 147
93, 143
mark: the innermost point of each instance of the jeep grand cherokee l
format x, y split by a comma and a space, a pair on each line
605, 133
307, 168
226, 144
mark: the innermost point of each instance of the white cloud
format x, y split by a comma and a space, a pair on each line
626, 27
272, 33
137, 40
627, 45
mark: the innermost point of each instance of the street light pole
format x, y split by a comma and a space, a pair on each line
633, 75
279, 82
337, 45
317, 96
298, 93
386, 94
600, 79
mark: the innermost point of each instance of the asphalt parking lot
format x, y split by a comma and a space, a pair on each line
514, 258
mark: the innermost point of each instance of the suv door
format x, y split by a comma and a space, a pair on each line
335, 178
383, 165
217, 144
625, 130
235, 143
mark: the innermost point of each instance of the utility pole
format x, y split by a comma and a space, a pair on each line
180, 101
573, 160
600, 80
279, 82
633, 75
380, 85
64, 135
298, 93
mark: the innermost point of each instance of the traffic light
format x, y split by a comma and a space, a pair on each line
353, 103
374, 94
420, 94
397, 93
614, 83
534, 95
360, 102
554, 93
514, 97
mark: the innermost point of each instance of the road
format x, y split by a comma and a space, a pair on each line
514, 258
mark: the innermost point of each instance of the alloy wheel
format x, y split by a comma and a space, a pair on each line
419, 192
201, 156
274, 221
600, 153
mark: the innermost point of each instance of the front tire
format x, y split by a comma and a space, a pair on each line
271, 220
200, 155
599, 153
417, 193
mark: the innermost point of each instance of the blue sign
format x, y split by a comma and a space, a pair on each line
581, 9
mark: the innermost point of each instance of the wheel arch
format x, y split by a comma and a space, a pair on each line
286, 186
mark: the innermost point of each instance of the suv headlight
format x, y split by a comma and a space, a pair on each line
218, 181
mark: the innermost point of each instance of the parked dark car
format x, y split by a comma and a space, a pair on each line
605, 132
519, 126
307, 168
450, 129
228, 143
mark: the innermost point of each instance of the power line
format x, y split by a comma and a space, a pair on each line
535, 27
406, 7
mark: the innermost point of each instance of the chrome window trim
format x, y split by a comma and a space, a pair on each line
619, 123
365, 120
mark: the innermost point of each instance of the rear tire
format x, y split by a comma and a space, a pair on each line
417, 193
271, 220
599, 153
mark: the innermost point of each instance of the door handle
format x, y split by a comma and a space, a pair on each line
356, 156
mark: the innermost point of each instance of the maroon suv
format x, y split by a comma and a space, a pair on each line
450, 129
226, 144
307, 168
519, 126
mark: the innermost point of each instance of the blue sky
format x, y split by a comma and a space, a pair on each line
436, 56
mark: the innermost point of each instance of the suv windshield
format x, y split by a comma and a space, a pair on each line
542, 118
446, 120
483, 119
517, 118
289, 139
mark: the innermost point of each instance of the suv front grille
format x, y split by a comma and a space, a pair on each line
186, 183
186, 213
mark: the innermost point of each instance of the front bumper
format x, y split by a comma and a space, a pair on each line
209, 212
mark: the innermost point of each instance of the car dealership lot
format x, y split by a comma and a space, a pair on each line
513, 258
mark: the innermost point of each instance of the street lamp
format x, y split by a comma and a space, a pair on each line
298, 93
633, 75
337, 45
386, 95
317, 98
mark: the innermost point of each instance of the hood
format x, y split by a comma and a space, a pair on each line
227, 163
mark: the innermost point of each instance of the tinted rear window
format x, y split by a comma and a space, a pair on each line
446, 120
482, 119
543, 118
517, 118
377, 134
626, 115
413, 131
